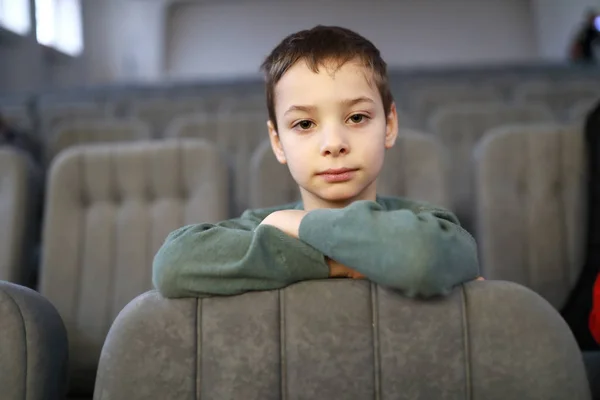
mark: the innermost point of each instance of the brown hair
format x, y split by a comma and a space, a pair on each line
317, 46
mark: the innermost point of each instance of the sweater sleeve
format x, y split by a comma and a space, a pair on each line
422, 252
232, 257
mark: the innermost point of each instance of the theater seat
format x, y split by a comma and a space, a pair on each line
343, 339
559, 96
17, 204
579, 111
54, 112
236, 136
426, 100
271, 183
530, 187
95, 131
109, 208
414, 168
459, 127
33, 346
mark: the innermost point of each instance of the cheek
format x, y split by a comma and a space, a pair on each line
296, 152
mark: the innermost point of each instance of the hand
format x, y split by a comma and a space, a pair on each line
337, 270
287, 221
481, 278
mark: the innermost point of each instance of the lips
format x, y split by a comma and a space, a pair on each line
336, 175
336, 171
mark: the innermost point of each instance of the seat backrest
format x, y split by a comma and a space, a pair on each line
108, 210
236, 136
33, 346
531, 193
558, 96
16, 212
579, 111
459, 127
414, 168
160, 113
95, 131
271, 183
426, 100
56, 114
343, 339
17, 117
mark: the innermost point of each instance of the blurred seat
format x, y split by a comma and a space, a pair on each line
19, 193
405, 120
159, 113
54, 114
93, 132
426, 100
343, 339
108, 210
459, 127
236, 136
558, 96
271, 183
531, 194
33, 346
17, 117
579, 111
413, 168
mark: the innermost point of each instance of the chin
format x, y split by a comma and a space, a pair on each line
340, 193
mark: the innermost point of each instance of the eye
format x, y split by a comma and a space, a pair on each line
357, 118
304, 124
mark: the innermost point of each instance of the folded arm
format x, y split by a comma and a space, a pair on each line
422, 252
233, 257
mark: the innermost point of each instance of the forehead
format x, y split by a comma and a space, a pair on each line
301, 85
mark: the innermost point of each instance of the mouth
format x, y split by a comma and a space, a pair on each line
338, 175
338, 171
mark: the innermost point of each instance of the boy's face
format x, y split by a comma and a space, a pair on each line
332, 133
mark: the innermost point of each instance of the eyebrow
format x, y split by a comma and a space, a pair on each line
345, 103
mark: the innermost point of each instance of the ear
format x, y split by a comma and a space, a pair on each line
391, 127
276, 143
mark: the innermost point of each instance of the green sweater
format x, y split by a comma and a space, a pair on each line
409, 246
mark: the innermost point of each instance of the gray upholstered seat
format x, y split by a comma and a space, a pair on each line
530, 189
18, 196
89, 131
271, 183
159, 113
413, 168
53, 113
558, 96
109, 208
343, 339
578, 112
17, 117
459, 127
426, 100
236, 136
33, 346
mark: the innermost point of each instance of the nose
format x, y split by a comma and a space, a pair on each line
334, 143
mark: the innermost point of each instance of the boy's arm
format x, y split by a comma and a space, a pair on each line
423, 252
233, 257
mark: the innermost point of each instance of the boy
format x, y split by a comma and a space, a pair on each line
331, 118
